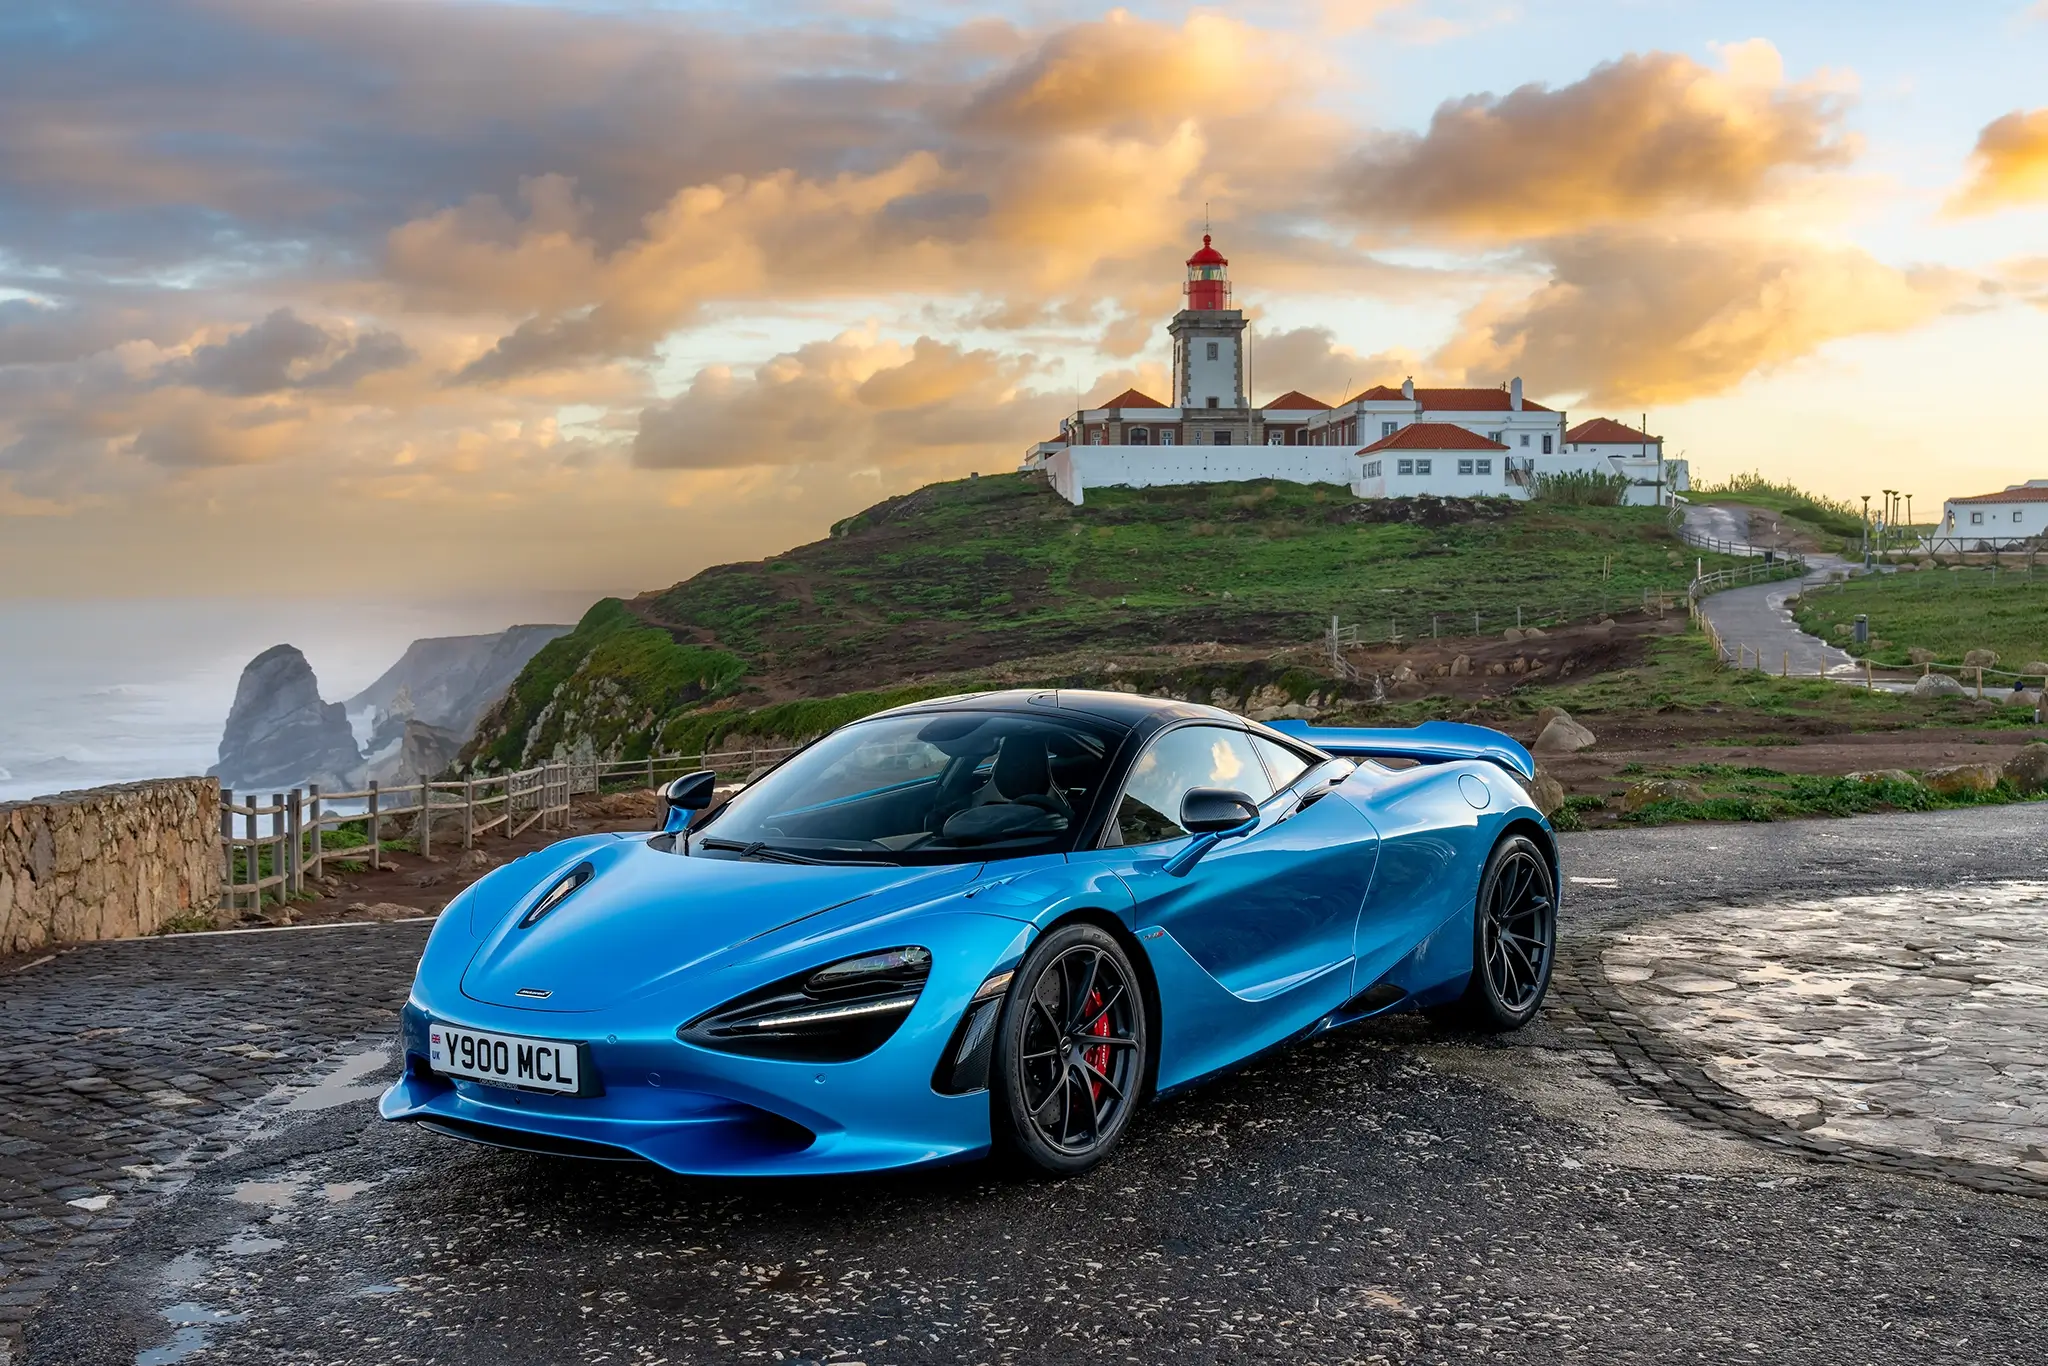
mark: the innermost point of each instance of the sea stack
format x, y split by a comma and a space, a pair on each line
280, 734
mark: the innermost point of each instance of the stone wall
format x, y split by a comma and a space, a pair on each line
108, 863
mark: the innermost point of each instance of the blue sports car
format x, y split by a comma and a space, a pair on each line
1000, 921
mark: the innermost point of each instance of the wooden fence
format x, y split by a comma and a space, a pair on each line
270, 849
1764, 571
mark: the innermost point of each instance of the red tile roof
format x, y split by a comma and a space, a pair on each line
1453, 400
1131, 398
1294, 398
2025, 493
1606, 431
1433, 436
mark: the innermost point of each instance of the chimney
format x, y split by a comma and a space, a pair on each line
1515, 394
1408, 388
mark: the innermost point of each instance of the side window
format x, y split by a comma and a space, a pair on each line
1283, 765
1193, 756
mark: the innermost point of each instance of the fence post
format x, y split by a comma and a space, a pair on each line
254, 857
1475, 623
469, 812
227, 843
426, 817
1518, 614
317, 858
1869, 682
1980, 683
279, 867
1785, 668
376, 831
295, 823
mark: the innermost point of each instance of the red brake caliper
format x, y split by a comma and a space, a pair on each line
1098, 1057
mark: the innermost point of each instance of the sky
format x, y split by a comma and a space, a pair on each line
425, 297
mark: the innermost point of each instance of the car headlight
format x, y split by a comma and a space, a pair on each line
842, 1011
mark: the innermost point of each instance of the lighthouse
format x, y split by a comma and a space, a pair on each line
1208, 337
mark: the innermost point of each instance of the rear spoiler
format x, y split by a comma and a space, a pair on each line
1432, 742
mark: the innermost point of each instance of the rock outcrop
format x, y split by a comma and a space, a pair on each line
2028, 769
1957, 780
1560, 734
280, 734
1650, 791
447, 682
1937, 685
1980, 659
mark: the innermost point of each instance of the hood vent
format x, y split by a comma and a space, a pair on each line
557, 894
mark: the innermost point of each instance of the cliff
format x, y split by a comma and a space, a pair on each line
447, 682
280, 734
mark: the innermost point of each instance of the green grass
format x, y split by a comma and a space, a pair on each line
960, 576
1762, 794
1947, 611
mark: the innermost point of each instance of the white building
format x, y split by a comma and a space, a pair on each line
2019, 513
1120, 442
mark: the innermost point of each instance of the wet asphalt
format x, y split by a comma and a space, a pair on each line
1385, 1194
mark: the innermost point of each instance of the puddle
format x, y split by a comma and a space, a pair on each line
339, 1192
184, 1270
269, 1194
252, 1245
194, 1324
345, 1084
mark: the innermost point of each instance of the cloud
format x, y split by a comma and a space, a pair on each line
1635, 138
2009, 166
1310, 359
855, 401
1636, 317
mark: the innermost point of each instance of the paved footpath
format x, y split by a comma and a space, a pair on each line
1589, 1189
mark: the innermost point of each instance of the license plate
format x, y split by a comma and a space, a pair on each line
505, 1059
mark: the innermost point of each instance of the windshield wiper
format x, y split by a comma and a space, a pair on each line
762, 850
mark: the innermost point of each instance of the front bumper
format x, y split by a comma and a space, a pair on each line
700, 1112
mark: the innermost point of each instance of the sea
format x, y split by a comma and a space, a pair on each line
112, 691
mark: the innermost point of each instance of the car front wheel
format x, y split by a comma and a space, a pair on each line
1070, 1052
1514, 939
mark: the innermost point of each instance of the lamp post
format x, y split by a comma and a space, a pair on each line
1889, 517
1866, 531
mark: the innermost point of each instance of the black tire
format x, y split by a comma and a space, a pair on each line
1060, 1101
1514, 941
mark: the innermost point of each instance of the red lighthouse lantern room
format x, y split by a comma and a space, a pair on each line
1208, 278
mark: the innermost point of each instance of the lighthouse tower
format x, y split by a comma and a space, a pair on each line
1208, 338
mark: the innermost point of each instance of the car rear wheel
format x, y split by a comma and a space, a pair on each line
1514, 939
1071, 1052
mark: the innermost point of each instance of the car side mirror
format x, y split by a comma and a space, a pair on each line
685, 797
1216, 811
1211, 815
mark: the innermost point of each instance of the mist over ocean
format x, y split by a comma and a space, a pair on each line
99, 692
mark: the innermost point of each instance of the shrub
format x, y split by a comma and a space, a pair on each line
1581, 488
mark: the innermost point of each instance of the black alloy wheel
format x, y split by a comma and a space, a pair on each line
1070, 1051
1514, 940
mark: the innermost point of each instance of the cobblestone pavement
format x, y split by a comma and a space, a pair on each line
1910, 1020
1385, 1194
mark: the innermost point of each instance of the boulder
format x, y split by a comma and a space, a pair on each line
1880, 775
1921, 655
1534, 633
1546, 793
1956, 780
2028, 769
1937, 685
1562, 735
2021, 697
1496, 669
1980, 659
1512, 633
1546, 715
1650, 791
279, 733
1402, 673
2034, 668
1518, 665
1461, 666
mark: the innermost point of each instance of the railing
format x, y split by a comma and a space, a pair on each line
1779, 567
286, 841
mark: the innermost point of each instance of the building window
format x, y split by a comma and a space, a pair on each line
2015, 514
1222, 438
1166, 436
1140, 436
1464, 467
1387, 429
1095, 436
1546, 445
1276, 438
1404, 467
1212, 350
1976, 519
1525, 438
1485, 465
1422, 467
1212, 400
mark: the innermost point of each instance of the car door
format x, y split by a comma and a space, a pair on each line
1268, 915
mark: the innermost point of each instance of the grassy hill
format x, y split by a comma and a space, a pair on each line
918, 593
1950, 612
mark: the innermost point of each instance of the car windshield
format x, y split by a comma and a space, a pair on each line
934, 787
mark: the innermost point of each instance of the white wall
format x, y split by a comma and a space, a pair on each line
1079, 468
1211, 377
1998, 523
